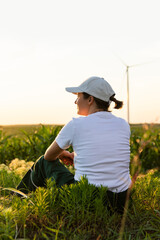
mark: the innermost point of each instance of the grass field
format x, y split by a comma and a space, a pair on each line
16, 129
54, 213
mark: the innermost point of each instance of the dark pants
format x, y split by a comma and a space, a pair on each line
42, 170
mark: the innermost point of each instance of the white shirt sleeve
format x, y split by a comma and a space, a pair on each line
65, 137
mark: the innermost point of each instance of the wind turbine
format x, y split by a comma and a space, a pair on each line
127, 73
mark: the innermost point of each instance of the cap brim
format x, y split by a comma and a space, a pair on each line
74, 90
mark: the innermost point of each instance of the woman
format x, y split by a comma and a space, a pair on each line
100, 142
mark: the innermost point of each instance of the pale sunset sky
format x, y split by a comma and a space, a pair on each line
47, 45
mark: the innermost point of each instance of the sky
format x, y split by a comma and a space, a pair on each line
47, 45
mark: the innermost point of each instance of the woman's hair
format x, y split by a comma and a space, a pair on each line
118, 104
105, 105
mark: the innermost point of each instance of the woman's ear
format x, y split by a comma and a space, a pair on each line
90, 100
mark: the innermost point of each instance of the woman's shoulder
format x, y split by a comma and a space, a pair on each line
121, 120
123, 123
78, 121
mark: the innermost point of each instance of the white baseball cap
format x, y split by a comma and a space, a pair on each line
96, 87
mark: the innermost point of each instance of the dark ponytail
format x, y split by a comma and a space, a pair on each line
118, 104
105, 105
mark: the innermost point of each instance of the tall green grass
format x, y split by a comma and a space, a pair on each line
145, 144
30, 144
72, 213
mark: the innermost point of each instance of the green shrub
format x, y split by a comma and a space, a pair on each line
144, 142
28, 146
72, 213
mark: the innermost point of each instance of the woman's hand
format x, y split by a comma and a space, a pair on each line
66, 157
54, 152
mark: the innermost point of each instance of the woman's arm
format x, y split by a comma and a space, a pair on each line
52, 152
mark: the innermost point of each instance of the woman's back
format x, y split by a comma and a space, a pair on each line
101, 146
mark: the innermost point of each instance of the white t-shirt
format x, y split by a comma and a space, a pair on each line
101, 149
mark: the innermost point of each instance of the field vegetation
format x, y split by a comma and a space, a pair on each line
71, 212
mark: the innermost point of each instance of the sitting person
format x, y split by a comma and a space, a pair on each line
100, 141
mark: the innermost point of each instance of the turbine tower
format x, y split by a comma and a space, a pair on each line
127, 73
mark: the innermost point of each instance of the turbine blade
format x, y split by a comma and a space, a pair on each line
139, 64
121, 60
